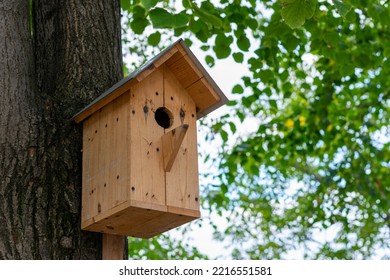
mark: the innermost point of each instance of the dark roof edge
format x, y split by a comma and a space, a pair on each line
223, 99
123, 81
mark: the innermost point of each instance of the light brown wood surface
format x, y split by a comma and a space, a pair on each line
126, 187
182, 181
171, 142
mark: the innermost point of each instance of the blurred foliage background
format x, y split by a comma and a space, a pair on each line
312, 173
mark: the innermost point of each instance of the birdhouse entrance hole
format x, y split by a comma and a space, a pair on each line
163, 117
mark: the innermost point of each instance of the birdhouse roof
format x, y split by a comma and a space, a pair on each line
186, 68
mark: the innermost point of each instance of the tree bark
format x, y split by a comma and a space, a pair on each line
48, 73
18, 134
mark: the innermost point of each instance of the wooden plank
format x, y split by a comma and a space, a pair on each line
178, 55
91, 167
113, 247
182, 181
171, 143
157, 63
184, 211
146, 164
119, 163
105, 160
113, 161
125, 219
180, 47
92, 224
202, 94
143, 223
192, 198
138, 219
182, 63
146, 72
85, 210
106, 100
170, 53
212, 86
185, 71
162, 223
103, 197
115, 216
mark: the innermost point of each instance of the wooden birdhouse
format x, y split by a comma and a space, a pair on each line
140, 167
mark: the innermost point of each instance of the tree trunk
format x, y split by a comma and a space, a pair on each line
48, 73
18, 118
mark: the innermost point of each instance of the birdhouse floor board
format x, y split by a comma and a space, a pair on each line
140, 222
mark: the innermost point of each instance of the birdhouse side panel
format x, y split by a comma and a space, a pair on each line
105, 162
147, 181
90, 166
182, 180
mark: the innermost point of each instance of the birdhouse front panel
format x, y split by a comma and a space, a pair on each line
126, 158
140, 160
182, 180
147, 178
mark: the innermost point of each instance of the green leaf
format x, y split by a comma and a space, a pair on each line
255, 63
243, 43
223, 40
148, 4
188, 42
266, 75
291, 43
233, 127
252, 23
205, 47
222, 45
347, 69
295, 12
273, 104
341, 7
316, 44
125, 5
206, 16
210, 60
238, 57
332, 38
154, 39
224, 135
161, 18
232, 103
138, 25
238, 89
139, 12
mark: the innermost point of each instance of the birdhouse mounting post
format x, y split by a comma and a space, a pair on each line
113, 246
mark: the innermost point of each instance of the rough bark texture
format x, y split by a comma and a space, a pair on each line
18, 172
73, 55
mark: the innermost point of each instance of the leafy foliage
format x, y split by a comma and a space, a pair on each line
162, 248
295, 12
313, 175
